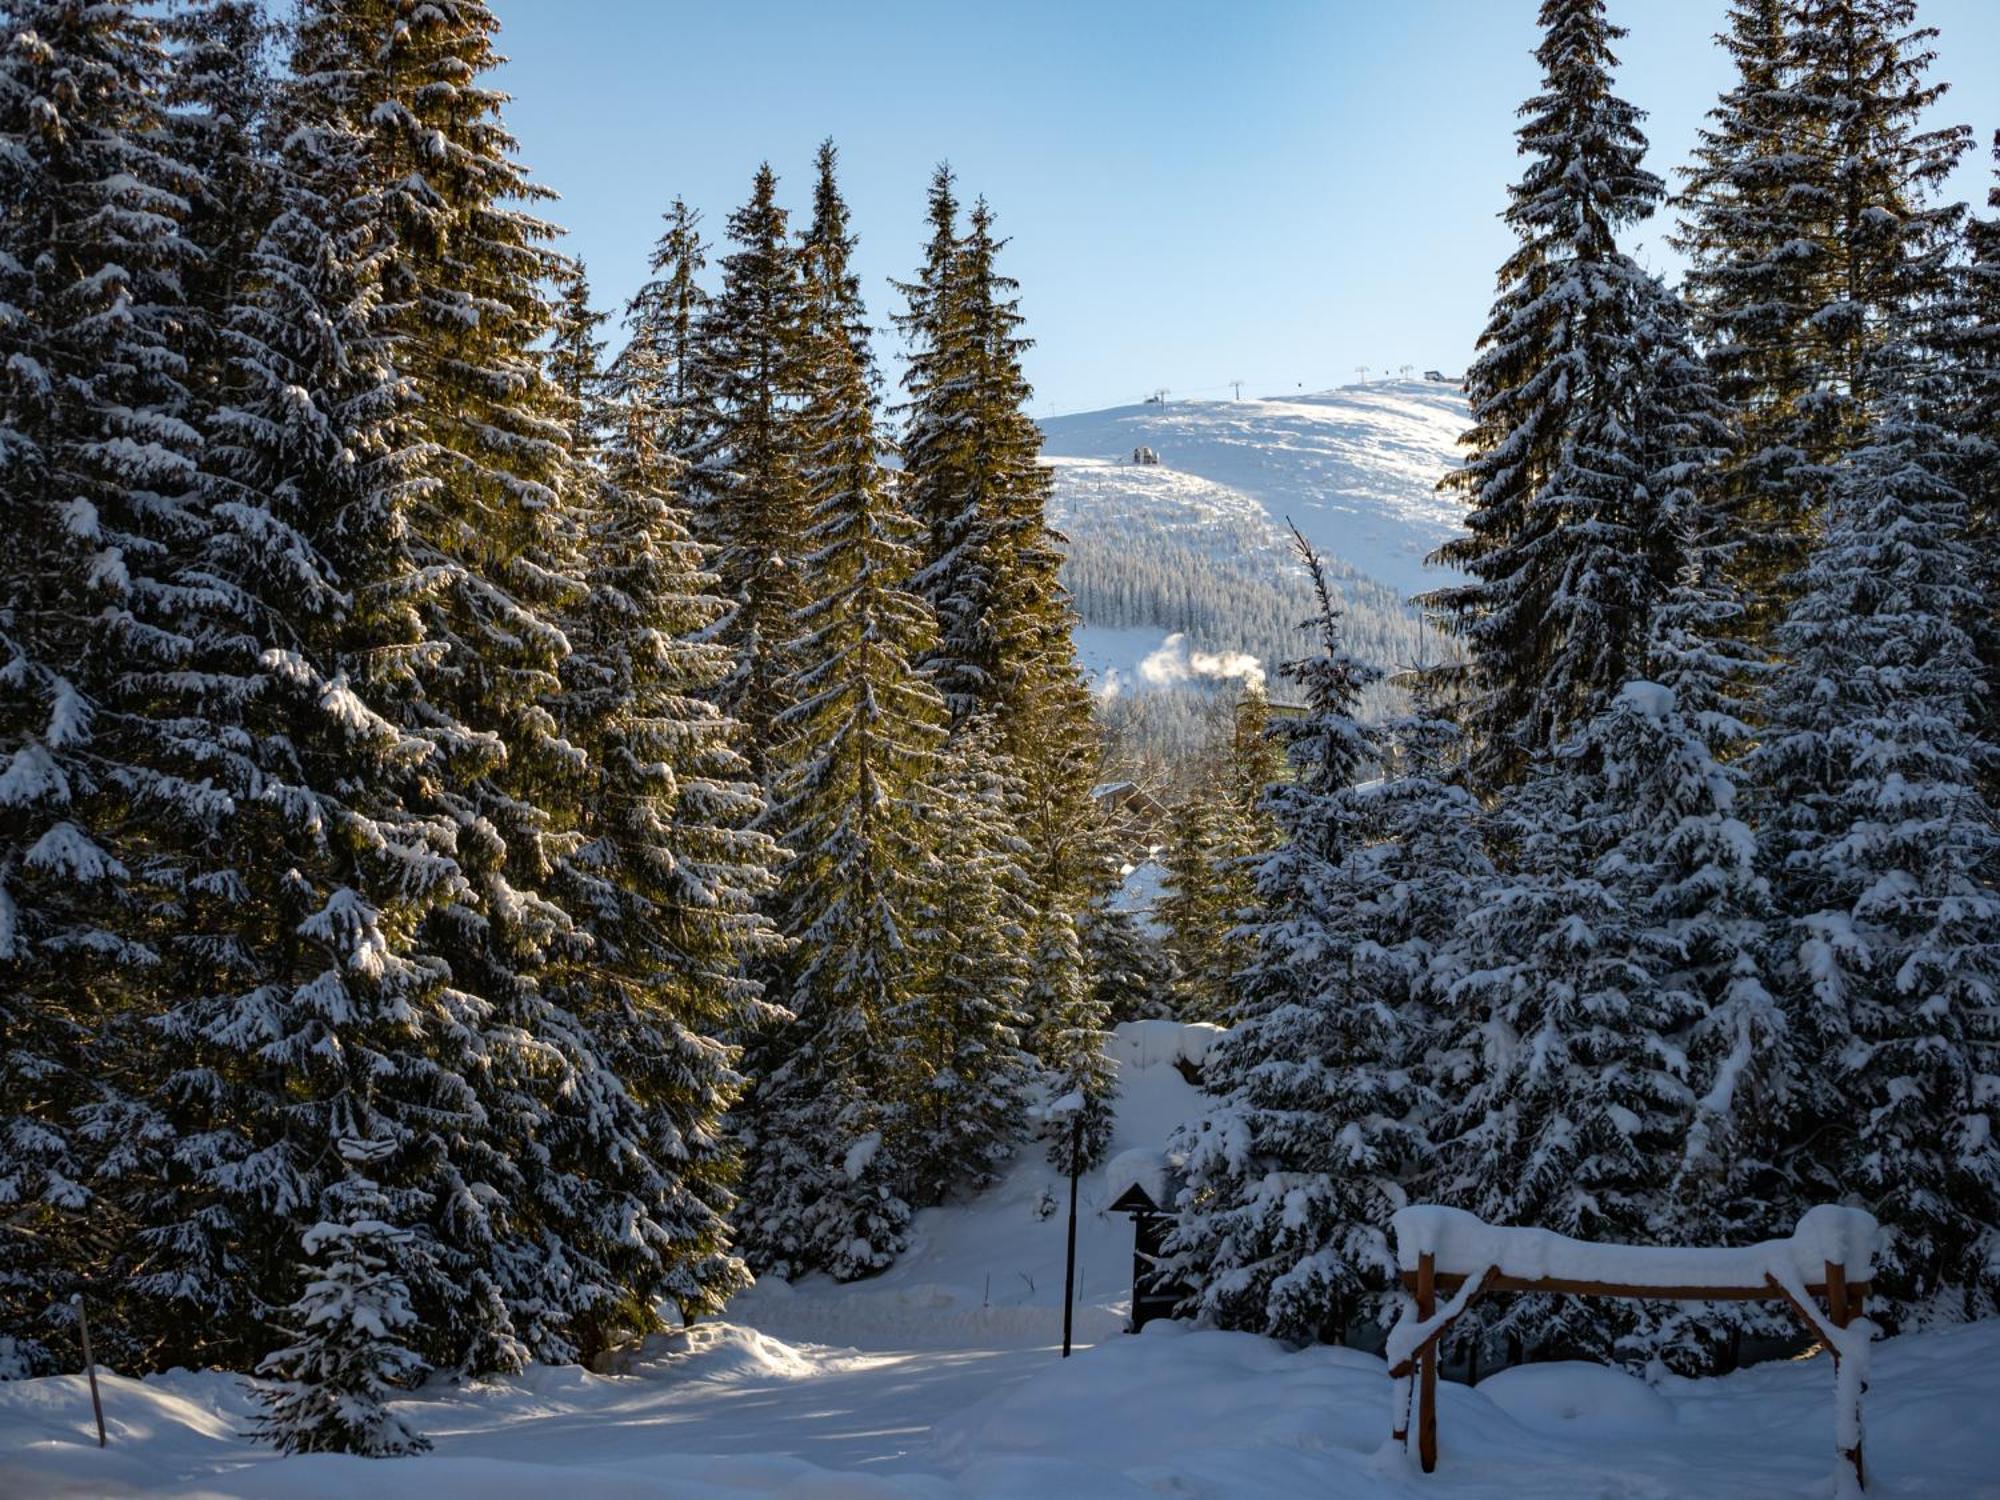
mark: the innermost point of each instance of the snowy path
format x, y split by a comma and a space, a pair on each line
939, 1381
732, 1391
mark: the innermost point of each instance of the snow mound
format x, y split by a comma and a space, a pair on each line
1571, 1397
1162, 1044
726, 1351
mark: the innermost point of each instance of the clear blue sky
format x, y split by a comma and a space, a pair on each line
1276, 190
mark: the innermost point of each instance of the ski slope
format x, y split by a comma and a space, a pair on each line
940, 1380
1355, 469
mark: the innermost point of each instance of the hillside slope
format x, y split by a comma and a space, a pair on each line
1196, 544
1356, 468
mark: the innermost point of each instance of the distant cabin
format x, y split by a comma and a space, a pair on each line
1135, 817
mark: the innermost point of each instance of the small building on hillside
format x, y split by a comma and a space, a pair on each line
1134, 815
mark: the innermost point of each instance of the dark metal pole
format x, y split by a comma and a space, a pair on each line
89, 1364
1069, 1268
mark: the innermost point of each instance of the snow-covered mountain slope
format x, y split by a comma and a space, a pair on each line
1196, 544
1356, 469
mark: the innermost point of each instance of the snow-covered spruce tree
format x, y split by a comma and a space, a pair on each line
486, 522
1564, 1105
1294, 1171
857, 747
1691, 871
219, 97
656, 387
1882, 851
328, 1392
958, 1044
665, 877
942, 479
990, 563
1807, 222
1564, 546
1748, 232
1042, 705
103, 806
751, 500
1127, 962
1068, 1031
309, 1010
576, 363
1873, 176
1977, 427
1626, 932
1215, 834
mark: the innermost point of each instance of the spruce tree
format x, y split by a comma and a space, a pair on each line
857, 748
576, 362
1129, 968
657, 386
942, 481
1693, 871
315, 1013
328, 1392
1196, 908
1565, 1128
958, 1047
1294, 1171
484, 561
1004, 648
219, 97
1565, 545
1882, 848
665, 875
1068, 1031
1749, 284
107, 735
1807, 221
1977, 426
751, 497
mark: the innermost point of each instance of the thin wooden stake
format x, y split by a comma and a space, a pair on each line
89, 1364
1427, 1366
1840, 1308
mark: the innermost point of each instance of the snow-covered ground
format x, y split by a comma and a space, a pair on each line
941, 1379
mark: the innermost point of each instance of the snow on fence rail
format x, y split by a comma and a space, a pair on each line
1830, 1254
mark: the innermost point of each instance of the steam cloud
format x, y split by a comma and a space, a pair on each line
1174, 663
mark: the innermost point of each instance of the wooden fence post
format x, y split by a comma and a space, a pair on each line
1427, 1366
1840, 1307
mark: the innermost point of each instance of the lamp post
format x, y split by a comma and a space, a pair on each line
1071, 1104
1069, 1264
